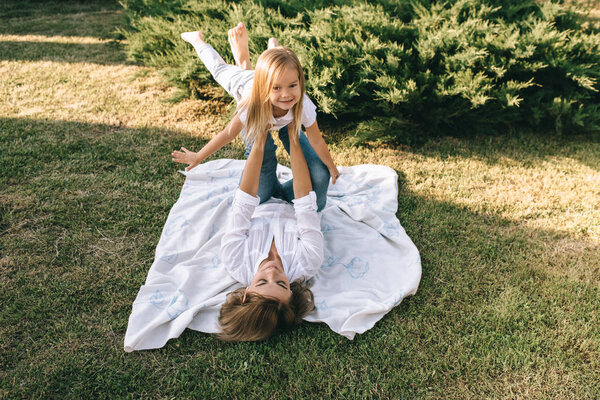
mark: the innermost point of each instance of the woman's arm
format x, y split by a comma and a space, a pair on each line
320, 147
221, 139
309, 250
249, 183
245, 200
301, 182
235, 241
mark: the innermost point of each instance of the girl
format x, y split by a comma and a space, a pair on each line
266, 248
270, 98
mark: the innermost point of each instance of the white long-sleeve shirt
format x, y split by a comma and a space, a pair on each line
250, 231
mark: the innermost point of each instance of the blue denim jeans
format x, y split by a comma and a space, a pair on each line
269, 186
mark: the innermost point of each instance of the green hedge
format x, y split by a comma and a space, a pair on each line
399, 70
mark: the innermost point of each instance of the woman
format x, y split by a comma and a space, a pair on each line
268, 247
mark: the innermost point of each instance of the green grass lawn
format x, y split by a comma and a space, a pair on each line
508, 229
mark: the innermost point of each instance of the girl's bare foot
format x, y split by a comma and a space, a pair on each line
193, 38
238, 40
272, 43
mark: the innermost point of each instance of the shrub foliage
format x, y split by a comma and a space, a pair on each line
401, 70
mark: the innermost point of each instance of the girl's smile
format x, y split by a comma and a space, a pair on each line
285, 92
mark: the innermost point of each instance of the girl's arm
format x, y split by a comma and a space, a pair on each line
320, 147
221, 139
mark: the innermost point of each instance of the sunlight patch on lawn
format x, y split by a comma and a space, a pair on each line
557, 192
52, 39
122, 95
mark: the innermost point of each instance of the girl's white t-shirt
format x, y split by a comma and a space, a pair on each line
309, 115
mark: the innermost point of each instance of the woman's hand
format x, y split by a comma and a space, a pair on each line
333, 171
186, 157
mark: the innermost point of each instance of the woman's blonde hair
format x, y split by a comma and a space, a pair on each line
258, 317
269, 67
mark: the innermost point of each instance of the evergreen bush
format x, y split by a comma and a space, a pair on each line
401, 70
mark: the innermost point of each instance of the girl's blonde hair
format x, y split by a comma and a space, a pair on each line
269, 68
257, 317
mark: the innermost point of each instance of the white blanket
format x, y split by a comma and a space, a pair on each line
370, 263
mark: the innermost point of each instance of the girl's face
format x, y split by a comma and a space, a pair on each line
271, 281
286, 91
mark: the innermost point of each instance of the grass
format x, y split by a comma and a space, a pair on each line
508, 229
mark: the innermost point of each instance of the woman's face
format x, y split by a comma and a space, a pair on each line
271, 281
286, 90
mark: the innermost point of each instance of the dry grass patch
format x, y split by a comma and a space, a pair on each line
53, 39
573, 260
553, 383
117, 95
113, 95
556, 194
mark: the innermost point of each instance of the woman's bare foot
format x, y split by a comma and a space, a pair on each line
238, 40
272, 43
193, 38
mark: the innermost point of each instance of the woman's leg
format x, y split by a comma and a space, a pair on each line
319, 174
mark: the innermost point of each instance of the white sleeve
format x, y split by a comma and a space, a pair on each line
309, 112
234, 244
309, 251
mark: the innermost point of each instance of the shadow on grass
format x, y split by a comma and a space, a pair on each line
491, 149
83, 206
81, 20
109, 53
61, 18
61, 8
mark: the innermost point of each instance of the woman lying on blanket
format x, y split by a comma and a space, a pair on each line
268, 247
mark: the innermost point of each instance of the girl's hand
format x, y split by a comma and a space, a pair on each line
333, 171
186, 157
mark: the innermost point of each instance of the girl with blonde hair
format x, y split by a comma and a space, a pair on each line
271, 97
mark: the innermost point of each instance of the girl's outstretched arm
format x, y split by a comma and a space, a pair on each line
221, 139
251, 174
320, 147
